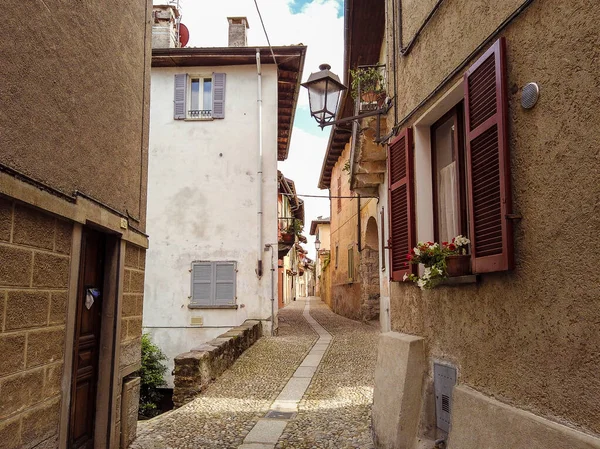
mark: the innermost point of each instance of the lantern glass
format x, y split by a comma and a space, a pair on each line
317, 244
324, 89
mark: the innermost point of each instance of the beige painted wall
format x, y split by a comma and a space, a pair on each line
529, 337
74, 94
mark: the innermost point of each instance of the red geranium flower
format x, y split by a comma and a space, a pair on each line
445, 243
409, 257
452, 246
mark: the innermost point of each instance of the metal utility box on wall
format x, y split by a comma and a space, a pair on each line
444, 379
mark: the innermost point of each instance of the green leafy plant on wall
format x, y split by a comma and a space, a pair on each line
370, 82
326, 261
295, 227
152, 374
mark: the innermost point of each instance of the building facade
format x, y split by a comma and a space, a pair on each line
321, 228
507, 352
214, 147
73, 174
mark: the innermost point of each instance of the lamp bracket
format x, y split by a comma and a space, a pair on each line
378, 113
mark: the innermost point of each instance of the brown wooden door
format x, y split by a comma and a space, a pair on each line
87, 342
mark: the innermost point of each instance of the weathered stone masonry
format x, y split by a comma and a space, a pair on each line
131, 343
34, 274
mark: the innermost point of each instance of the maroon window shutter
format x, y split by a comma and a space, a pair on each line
401, 203
488, 162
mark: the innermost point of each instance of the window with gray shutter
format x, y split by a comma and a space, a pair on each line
180, 95
218, 109
213, 284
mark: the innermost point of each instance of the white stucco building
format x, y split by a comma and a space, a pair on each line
207, 268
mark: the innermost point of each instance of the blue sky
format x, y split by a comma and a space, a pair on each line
296, 6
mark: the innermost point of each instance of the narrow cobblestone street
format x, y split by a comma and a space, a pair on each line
334, 412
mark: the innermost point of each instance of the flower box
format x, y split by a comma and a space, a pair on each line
288, 238
458, 265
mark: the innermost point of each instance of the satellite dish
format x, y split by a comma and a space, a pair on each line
184, 35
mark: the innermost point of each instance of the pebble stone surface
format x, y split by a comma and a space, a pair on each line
334, 412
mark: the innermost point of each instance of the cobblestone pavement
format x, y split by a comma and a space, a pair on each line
230, 407
336, 409
334, 413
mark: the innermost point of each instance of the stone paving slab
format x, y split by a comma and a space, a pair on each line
266, 431
312, 360
305, 371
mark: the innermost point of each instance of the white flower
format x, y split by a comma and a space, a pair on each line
427, 273
405, 277
417, 252
421, 284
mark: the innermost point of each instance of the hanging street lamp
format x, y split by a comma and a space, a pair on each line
317, 244
324, 93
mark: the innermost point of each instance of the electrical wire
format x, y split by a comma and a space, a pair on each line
265, 30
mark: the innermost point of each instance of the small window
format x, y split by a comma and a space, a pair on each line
200, 95
351, 264
213, 284
336, 255
449, 183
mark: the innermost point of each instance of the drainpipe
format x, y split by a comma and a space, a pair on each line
267, 247
259, 168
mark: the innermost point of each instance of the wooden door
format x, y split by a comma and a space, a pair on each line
86, 346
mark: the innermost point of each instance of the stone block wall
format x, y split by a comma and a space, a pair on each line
132, 308
131, 342
368, 270
196, 369
35, 260
128, 412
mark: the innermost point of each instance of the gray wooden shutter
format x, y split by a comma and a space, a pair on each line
179, 101
202, 285
224, 283
218, 105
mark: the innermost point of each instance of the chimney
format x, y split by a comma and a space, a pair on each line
164, 26
237, 31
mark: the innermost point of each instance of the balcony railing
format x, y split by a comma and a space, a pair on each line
371, 89
200, 113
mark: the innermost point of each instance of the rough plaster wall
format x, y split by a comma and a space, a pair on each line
74, 94
529, 337
450, 36
413, 14
34, 274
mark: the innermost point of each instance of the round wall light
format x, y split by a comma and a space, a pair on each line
529, 95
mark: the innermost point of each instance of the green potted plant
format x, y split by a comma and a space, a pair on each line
367, 82
449, 259
294, 229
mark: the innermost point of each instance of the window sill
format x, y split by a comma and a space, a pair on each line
199, 119
460, 280
225, 306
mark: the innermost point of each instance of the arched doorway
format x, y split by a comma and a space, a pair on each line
369, 272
